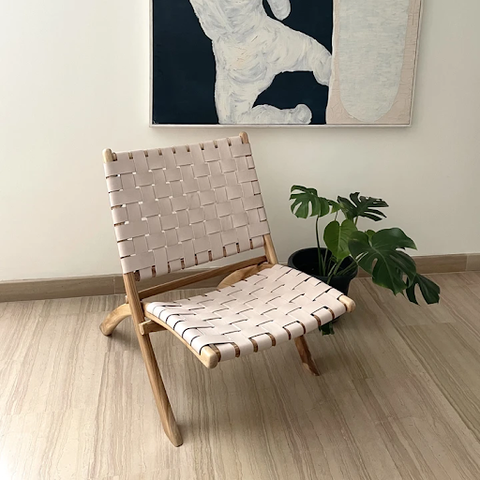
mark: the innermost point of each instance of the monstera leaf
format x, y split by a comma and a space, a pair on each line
362, 207
430, 290
382, 255
335, 206
307, 203
337, 236
327, 329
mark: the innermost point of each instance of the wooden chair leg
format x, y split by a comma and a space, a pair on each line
161, 399
114, 318
305, 355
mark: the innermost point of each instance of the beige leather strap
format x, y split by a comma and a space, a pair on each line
173, 208
266, 309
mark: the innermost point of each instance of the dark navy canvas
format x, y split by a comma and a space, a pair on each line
184, 69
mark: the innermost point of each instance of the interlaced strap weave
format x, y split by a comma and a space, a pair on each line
266, 309
177, 207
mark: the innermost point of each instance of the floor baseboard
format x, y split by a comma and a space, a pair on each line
43, 289
457, 263
47, 288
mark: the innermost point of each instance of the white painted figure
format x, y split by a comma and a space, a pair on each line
250, 50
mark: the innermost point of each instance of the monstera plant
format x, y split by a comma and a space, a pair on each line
380, 253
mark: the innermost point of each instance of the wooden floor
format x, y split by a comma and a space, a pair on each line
398, 397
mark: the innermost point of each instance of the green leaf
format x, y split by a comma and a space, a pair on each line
335, 206
327, 329
307, 203
390, 236
362, 207
430, 290
381, 255
337, 236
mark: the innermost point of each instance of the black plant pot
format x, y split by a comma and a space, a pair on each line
306, 260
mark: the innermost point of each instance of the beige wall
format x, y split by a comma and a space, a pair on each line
74, 79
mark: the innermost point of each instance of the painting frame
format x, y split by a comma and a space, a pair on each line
282, 126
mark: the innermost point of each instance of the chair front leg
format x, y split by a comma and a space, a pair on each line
161, 398
306, 356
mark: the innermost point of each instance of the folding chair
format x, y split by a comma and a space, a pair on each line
174, 208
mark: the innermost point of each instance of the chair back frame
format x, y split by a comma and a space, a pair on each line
177, 207
269, 257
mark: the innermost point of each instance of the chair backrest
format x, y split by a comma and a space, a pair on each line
173, 208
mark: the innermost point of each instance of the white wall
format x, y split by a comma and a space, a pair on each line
74, 80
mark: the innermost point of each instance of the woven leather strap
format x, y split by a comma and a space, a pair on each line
266, 309
177, 207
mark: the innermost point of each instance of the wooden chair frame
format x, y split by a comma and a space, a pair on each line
145, 323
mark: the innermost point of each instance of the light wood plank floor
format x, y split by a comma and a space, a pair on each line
398, 397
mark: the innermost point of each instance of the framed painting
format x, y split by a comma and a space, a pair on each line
283, 62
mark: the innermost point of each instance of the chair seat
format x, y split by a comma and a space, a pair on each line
264, 310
